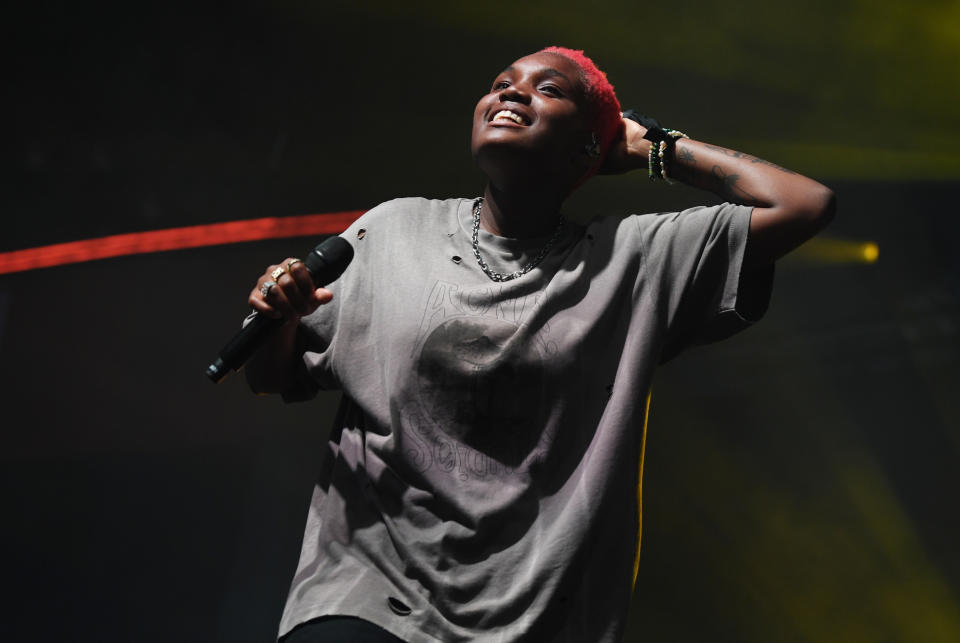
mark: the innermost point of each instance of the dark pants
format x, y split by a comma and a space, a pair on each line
339, 629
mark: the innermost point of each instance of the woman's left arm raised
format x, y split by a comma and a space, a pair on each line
788, 208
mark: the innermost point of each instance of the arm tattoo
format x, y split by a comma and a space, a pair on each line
686, 155
729, 188
747, 157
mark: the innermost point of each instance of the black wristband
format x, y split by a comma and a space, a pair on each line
662, 143
647, 121
655, 132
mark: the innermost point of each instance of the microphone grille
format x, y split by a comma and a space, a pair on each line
329, 259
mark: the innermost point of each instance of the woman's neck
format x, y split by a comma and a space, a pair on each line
519, 214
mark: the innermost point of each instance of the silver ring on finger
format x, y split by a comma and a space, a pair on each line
266, 287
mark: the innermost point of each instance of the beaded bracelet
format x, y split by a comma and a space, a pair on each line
669, 144
654, 165
662, 143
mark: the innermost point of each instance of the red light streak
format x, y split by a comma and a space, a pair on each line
197, 236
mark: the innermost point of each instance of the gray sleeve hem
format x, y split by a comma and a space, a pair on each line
746, 293
305, 387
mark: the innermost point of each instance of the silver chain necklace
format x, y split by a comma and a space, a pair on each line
504, 276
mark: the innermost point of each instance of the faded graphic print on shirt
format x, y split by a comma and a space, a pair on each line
479, 409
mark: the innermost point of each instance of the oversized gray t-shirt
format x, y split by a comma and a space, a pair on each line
480, 482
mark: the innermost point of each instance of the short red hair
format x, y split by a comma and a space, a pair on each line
606, 120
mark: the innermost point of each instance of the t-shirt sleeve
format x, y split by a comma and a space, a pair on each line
313, 349
694, 260
335, 326
305, 386
316, 339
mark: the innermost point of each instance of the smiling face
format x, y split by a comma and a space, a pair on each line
532, 122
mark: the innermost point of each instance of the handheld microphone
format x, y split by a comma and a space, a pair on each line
325, 263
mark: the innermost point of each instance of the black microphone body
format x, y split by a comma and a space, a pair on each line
325, 263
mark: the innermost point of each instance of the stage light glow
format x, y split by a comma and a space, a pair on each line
827, 250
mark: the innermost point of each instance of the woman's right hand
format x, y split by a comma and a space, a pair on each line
292, 296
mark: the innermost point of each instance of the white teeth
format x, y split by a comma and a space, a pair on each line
506, 113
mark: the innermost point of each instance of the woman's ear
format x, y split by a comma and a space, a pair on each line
593, 147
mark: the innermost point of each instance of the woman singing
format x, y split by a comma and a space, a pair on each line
480, 483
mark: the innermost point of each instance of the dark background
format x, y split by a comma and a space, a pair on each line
801, 479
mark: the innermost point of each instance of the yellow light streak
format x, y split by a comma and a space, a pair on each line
827, 250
